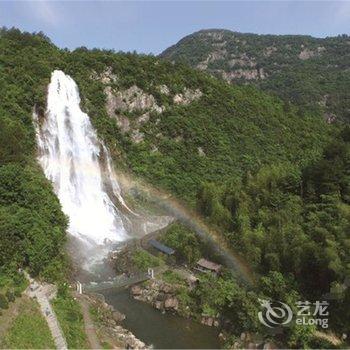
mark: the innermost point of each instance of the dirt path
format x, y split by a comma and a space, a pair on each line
88, 323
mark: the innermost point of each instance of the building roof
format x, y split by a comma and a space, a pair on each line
161, 247
209, 265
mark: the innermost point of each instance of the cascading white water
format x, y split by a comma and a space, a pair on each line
70, 154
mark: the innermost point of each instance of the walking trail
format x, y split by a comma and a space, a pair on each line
41, 293
88, 323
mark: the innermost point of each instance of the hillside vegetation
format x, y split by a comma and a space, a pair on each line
29, 329
32, 225
310, 72
271, 177
176, 142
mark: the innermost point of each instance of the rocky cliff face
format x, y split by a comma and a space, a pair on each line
133, 107
299, 68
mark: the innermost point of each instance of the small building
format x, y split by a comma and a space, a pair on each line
161, 247
208, 266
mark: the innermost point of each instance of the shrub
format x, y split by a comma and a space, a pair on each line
185, 242
10, 295
3, 302
143, 260
172, 277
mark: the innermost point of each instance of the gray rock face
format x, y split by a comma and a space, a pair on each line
121, 103
187, 96
248, 74
133, 99
106, 77
306, 53
242, 61
144, 118
201, 152
163, 89
137, 136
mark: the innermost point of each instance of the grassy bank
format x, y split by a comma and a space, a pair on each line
28, 330
70, 317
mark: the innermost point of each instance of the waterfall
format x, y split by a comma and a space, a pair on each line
79, 166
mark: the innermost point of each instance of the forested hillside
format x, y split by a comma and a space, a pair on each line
310, 72
32, 226
294, 221
179, 128
270, 176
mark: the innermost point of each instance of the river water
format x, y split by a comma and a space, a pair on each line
162, 331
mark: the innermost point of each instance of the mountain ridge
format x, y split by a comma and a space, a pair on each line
311, 72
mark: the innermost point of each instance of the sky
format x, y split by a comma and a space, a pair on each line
152, 26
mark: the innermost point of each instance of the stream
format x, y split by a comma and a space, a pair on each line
161, 331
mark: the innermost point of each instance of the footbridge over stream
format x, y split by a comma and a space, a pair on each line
120, 281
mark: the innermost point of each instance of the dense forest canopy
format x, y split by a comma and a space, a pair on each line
272, 177
32, 225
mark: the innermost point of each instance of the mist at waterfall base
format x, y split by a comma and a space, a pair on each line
80, 168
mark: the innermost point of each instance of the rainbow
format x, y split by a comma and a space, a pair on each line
235, 262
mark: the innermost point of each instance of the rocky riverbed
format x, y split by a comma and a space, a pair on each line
163, 297
109, 328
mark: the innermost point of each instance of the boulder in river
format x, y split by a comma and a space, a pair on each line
136, 290
166, 288
171, 303
210, 321
158, 305
207, 320
118, 316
